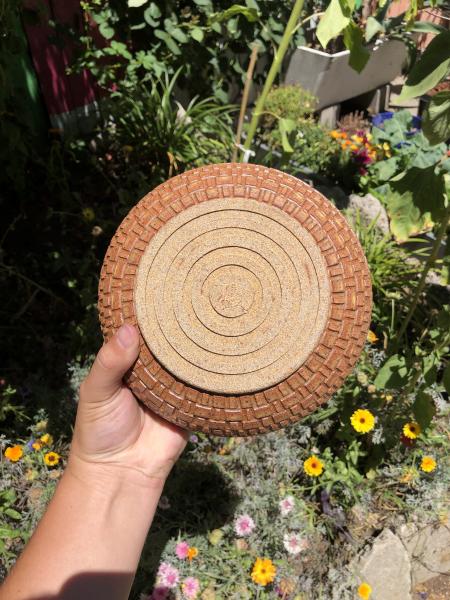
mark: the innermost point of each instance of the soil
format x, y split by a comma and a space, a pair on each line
437, 588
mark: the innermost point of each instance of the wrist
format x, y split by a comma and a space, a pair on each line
114, 478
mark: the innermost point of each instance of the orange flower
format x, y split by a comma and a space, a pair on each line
192, 552
14, 453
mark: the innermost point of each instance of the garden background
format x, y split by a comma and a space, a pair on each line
100, 102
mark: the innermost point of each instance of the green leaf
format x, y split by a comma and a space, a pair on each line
436, 120
149, 18
427, 189
353, 40
13, 514
250, 14
202, 2
163, 35
106, 30
178, 34
424, 409
286, 126
334, 21
405, 219
153, 10
121, 49
426, 27
372, 28
383, 170
431, 68
136, 3
446, 379
197, 34
393, 374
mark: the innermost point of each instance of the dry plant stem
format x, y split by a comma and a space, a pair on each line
428, 265
247, 86
274, 69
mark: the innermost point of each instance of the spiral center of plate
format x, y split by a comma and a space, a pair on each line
232, 295
231, 290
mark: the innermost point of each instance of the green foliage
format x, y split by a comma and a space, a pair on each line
436, 119
209, 41
411, 182
288, 102
433, 66
393, 276
152, 133
310, 147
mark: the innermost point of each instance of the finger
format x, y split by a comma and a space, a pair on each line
111, 364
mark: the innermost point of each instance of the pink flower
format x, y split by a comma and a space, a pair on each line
190, 587
244, 525
286, 505
182, 549
159, 593
294, 543
167, 576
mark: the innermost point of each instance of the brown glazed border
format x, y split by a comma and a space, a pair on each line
326, 367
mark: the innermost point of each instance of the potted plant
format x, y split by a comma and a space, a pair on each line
362, 58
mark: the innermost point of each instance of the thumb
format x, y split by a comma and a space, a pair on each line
112, 362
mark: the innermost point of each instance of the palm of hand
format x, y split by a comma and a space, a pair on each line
113, 428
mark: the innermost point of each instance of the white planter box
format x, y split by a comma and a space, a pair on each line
330, 78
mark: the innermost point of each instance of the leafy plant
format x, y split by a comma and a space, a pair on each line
209, 40
152, 133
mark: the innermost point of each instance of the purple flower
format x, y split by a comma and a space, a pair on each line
244, 525
159, 593
294, 543
182, 549
193, 438
167, 576
190, 587
286, 505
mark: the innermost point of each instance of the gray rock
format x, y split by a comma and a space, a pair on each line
369, 209
428, 548
387, 568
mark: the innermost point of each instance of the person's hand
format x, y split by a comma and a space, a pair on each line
114, 433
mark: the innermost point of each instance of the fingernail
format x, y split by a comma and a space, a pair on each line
126, 336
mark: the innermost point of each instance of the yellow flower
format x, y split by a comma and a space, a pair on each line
192, 553
51, 459
36, 445
362, 420
428, 464
41, 425
264, 571
389, 398
313, 466
88, 213
14, 453
354, 147
412, 430
369, 136
47, 439
335, 134
371, 337
364, 591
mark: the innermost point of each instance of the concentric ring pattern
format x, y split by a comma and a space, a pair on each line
232, 295
251, 293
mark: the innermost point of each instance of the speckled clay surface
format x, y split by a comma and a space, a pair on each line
251, 293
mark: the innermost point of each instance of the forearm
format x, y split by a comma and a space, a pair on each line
90, 538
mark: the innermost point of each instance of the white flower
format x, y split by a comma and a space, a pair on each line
294, 543
286, 505
244, 525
